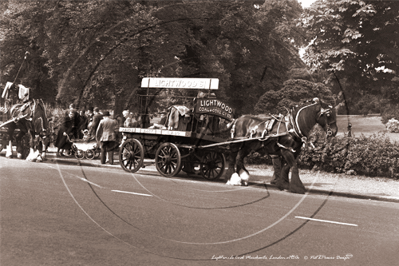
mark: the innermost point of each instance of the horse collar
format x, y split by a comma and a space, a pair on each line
295, 128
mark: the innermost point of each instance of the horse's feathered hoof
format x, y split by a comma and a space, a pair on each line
297, 189
19, 156
39, 159
282, 185
244, 175
235, 180
9, 153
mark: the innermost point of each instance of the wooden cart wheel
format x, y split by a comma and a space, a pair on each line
168, 159
212, 165
131, 155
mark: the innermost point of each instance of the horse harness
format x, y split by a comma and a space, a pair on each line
291, 126
32, 105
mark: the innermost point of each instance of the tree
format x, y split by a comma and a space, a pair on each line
96, 52
294, 92
248, 47
356, 40
22, 30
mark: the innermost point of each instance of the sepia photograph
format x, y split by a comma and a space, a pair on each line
199, 132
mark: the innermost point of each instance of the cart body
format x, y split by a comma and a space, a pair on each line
190, 142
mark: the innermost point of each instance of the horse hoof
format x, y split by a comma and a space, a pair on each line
244, 175
30, 159
297, 189
283, 185
19, 156
235, 180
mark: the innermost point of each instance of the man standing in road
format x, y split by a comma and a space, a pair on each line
106, 134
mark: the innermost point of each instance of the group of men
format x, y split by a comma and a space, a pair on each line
101, 126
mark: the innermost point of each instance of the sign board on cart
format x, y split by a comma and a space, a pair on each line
155, 131
181, 83
214, 107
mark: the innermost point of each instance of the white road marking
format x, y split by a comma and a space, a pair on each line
134, 193
85, 180
324, 221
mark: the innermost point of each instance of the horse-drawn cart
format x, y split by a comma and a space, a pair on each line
192, 140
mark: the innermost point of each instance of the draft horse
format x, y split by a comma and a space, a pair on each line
282, 136
30, 118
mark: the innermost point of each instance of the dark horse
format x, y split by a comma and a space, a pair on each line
282, 136
29, 118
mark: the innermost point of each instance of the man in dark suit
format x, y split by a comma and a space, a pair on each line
96, 121
75, 121
106, 134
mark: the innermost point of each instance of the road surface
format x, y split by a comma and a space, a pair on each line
54, 214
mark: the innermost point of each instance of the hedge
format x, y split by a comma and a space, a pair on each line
375, 155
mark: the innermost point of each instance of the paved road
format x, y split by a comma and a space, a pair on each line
53, 214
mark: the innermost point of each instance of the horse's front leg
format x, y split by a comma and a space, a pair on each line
10, 134
231, 163
9, 149
19, 144
33, 153
241, 170
41, 150
45, 143
296, 185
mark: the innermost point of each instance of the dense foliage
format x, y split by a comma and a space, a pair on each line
293, 91
357, 41
96, 52
375, 155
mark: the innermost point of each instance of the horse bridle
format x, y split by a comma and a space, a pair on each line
295, 127
327, 112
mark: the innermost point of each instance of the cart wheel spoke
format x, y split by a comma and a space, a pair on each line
212, 165
168, 159
131, 155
